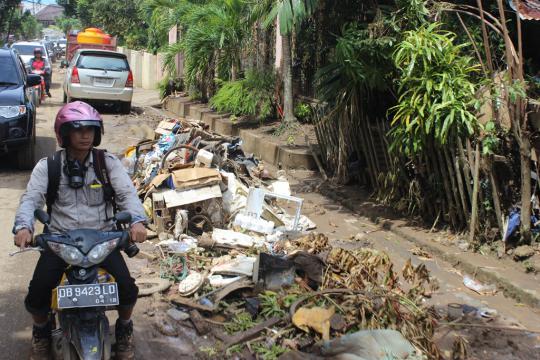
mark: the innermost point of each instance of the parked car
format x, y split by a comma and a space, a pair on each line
99, 76
17, 112
25, 49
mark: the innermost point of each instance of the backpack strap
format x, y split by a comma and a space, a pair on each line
54, 170
102, 173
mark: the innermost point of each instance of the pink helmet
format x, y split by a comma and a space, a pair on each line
75, 115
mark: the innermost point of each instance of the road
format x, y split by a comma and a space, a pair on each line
15, 272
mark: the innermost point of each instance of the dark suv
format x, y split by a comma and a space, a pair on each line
17, 112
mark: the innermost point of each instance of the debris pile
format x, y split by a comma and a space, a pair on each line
253, 274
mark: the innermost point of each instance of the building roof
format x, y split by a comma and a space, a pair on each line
32, 7
50, 13
527, 9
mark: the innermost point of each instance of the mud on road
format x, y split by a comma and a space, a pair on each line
121, 131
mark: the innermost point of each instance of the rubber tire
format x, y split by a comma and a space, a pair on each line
26, 156
125, 107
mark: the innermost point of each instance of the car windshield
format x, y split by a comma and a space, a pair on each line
8, 72
102, 62
25, 49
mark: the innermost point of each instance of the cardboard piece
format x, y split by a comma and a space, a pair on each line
165, 127
192, 178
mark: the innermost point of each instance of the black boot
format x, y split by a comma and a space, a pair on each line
41, 342
124, 341
49, 93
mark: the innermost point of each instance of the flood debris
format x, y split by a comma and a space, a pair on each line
257, 277
478, 287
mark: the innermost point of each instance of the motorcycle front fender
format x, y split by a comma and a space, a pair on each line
89, 337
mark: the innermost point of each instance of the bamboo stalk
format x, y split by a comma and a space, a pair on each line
456, 186
487, 47
448, 191
368, 158
430, 205
474, 210
461, 186
496, 200
473, 43
467, 172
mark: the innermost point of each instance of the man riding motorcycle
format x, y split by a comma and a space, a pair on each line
80, 204
40, 64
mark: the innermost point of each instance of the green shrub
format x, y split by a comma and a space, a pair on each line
303, 112
252, 96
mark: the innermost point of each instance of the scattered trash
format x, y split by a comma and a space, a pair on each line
273, 272
242, 265
487, 313
232, 238
371, 345
224, 235
177, 315
190, 284
478, 287
455, 311
149, 286
316, 318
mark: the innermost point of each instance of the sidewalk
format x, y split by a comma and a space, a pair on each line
506, 274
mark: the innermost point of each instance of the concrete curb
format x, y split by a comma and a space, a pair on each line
288, 157
516, 289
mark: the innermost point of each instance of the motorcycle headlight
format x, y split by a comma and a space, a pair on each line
101, 251
12, 111
69, 254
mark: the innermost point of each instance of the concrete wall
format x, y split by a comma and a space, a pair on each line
136, 65
149, 71
147, 68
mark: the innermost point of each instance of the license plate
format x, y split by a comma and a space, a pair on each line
78, 296
100, 81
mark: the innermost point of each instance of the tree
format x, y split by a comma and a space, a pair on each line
289, 14
68, 23
27, 26
8, 11
70, 7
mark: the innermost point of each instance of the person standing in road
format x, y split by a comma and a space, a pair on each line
39, 63
80, 204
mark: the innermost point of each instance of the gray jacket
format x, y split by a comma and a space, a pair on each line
83, 208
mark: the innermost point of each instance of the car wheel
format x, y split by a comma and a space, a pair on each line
125, 107
26, 156
65, 98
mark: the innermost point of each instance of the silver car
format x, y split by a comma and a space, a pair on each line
99, 75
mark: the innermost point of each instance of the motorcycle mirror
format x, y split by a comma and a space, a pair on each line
33, 80
123, 217
42, 217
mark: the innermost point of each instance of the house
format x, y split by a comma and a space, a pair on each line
48, 15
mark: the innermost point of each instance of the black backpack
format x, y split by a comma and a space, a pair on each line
54, 168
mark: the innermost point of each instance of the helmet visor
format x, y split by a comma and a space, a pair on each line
83, 123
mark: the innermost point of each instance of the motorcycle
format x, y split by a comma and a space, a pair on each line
38, 93
86, 291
